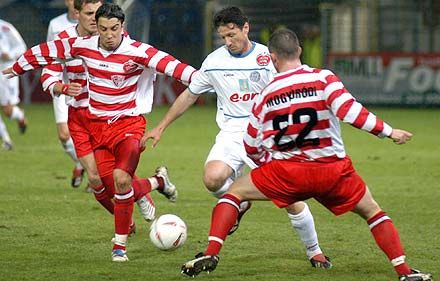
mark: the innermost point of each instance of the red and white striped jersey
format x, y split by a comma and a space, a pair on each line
296, 118
68, 72
120, 82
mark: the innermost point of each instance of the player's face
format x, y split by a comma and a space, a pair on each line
87, 20
110, 33
236, 39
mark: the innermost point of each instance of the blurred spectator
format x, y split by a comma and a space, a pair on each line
312, 52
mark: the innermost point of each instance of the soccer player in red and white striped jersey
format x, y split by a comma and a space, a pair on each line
120, 79
70, 79
294, 137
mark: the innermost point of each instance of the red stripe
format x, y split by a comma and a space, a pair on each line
334, 95
344, 108
63, 34
82, 96
137, 44
60, 49
112, 107
107, 75
151, 52
378, 128
112, 91
162, 64
252, 131
179, 70
250, 149
75, 68
361, 118
55, 67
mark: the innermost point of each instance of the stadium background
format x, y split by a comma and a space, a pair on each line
386, 51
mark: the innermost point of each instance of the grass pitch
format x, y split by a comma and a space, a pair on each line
50, 231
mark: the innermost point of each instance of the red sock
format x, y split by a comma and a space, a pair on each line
223, 218
109, 184
103, 198
160, 182
387, 238
123, 214
140, 187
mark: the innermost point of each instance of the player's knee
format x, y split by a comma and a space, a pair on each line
213, 181
63, 137
94, 179
7, 110
122, 180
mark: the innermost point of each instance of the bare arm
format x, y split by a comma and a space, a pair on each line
180, 105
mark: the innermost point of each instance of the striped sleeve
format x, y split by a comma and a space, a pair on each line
51, 52
253, 138
165, 63
348, 110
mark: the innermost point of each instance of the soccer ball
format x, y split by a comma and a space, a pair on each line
168, 232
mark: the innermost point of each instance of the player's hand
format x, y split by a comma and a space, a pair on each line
72, 89
400, 136
154, 134
9, 73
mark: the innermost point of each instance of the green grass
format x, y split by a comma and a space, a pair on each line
49, 231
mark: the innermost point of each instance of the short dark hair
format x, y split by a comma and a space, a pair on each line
284, 43
230, 15
77, 4
108, 11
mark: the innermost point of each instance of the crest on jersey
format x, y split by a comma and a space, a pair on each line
263, 59
130, 66
117, 80
255, 76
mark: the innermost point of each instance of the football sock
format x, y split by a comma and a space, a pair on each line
102, 197
220, 192
156, 183
304, 225
70, 150
4, 135
224, 216
387, 238
109, 184
123, 215
140, 187
17, 113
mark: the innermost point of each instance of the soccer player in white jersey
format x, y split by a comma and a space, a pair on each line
11, 47
120, 79
295, 123
237, 72
57, 25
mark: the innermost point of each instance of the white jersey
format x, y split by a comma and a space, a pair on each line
237, 80
58, 24
297, 118
120, 82
11, 43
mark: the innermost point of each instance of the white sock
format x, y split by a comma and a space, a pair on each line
154, 183
220, 192
4, 135
70, 150
17, 113
304, 225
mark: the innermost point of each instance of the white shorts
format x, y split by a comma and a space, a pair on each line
229, 148
60, 109
9, 91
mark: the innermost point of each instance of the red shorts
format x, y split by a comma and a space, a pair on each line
105, 138
78, 123
335, 185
